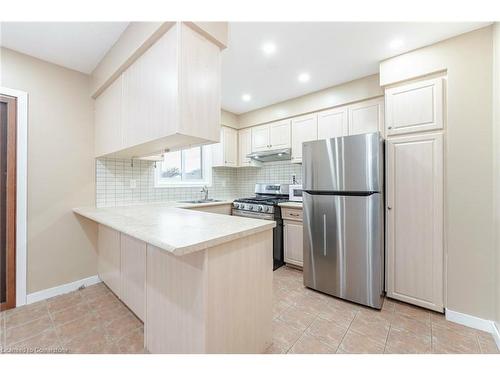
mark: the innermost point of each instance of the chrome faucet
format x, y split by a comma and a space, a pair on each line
205, 190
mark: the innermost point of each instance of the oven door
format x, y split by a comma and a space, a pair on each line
278, 250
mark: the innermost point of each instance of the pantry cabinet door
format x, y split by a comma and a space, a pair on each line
279, 135
293, 243
133, 274
108, 119
414, 107
260, 138
304, 129
244, 147
415, 219
332, 123
366, 117
109, 263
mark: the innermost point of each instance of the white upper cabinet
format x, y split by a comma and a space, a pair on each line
260, 138
279, 135
304, 128
273, 136
244, 147
107, 119
332, 123
170, 98
414, 107
225, 153
366, 116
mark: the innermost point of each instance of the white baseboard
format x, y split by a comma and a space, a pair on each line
496, 334
61, 289
469, 321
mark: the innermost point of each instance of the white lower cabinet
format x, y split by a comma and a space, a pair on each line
133, 274
108, 265
415, 219
293, 237
122, 267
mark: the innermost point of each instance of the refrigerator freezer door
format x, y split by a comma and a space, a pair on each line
343, 246
352, 163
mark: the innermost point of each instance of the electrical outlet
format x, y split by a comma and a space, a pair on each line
133, 184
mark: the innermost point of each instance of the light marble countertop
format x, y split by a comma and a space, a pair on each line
291, 205
170, 227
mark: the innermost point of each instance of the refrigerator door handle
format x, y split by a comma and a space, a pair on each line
324, 235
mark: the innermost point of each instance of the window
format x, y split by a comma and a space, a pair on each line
190, 167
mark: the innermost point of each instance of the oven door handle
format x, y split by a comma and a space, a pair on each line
253, 215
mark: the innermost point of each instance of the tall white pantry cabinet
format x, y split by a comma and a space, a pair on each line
414, 185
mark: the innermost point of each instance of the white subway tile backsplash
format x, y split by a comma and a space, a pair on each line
113, 182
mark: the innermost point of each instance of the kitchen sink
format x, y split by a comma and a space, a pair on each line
202, 201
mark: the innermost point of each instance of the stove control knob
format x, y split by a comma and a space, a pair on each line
260, 208
236, 205
253, 208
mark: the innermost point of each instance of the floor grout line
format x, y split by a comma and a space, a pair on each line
345, 333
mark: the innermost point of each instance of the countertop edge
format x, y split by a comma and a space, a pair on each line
182, 250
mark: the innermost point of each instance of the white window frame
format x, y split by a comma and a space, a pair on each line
206, 160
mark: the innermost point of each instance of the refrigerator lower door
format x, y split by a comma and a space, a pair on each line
344, 246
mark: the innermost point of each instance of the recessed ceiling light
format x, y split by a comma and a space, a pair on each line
269, 48
304, 77
396, 43
246, 97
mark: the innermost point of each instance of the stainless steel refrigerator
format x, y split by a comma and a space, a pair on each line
343, 198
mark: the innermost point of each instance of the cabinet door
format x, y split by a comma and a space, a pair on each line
304, 128
414, 107
260, 138
244, 147
366, 116
225, 153
108, 119
279, 135
415, 220
108, 265
150, 87
133, 274
292, 234
230, 142
332, 123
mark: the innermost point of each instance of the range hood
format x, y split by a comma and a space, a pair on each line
271, 155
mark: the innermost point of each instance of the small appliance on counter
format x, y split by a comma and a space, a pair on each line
265, 206
295, 193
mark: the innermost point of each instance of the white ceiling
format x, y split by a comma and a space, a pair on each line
75, 45
331, 52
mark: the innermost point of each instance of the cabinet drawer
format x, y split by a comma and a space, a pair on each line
291, 214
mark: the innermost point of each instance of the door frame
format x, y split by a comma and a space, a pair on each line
21, 190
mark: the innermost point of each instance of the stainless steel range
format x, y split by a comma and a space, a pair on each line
264, 205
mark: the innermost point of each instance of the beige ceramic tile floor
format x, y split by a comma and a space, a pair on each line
93, 320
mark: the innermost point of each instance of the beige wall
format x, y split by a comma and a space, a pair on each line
496, 161
360, 89
61, 247
469, 178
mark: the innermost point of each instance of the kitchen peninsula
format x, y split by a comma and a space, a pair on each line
201, 282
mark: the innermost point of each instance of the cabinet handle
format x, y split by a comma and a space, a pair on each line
291, 214
389, 127
389, 207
